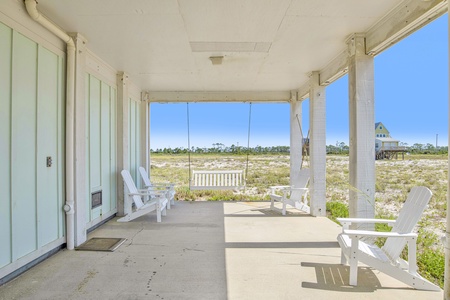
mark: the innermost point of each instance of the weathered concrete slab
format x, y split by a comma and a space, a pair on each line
210, 250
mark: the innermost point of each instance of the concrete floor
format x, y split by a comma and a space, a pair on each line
210, 250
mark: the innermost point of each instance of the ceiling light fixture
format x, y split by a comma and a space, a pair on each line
216, 60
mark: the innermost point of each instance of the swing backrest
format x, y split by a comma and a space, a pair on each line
217, 180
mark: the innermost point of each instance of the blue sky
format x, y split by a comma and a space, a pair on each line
411, 99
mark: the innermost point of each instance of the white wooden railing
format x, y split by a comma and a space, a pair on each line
217, 180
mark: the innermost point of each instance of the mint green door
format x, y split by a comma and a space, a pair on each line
101, 146
31, 136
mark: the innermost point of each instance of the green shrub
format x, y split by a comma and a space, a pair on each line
431, 265
430, 258
336, 209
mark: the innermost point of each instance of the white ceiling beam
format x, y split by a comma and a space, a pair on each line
337, 68
203, 96
406, 18
303, 91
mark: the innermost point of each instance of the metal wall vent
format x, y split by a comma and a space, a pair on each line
96, 199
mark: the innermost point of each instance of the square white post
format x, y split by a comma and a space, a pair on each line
144, 133
317, 146
123, 140
447, 231
81, 210
362, 130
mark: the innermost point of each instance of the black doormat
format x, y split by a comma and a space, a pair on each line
101, 244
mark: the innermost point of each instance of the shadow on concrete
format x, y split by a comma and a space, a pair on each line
265, 212
335, 277
297, 245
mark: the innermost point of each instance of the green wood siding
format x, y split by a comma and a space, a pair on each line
113, 149
135, 143
101, 151
94, 134
61, 142
31, 129
105, 139
5, 144
87, 80
132, 137
23, 154
47, 146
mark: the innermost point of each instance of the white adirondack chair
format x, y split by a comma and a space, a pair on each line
387, 259
168, 187
293, 196
145, 201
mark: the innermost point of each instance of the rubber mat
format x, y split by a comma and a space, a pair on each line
101, 244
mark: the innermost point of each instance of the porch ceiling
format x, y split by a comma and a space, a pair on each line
267, 45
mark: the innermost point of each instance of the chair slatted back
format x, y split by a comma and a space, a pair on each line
145, 176
302, 183
132, 189
408, 217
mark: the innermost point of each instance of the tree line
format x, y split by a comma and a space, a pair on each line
417, 148
339, 148
221, 148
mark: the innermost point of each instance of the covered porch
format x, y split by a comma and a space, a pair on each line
210, 250
77, 78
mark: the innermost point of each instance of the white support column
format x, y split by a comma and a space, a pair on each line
123, 139
447, 231
295, 141
80, 140
148, 158
143, 143
362, 130
317, 146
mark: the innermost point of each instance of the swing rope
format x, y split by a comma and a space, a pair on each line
189, 142
299, 126
304, 151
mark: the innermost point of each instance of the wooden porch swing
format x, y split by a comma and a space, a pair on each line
217, 179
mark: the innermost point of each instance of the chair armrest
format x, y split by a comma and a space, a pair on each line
280, 187
158, 188
168, 184
137, 194
299, 189
346, 222
159, 185
284, 188
364, 220
147, 193
367, 233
